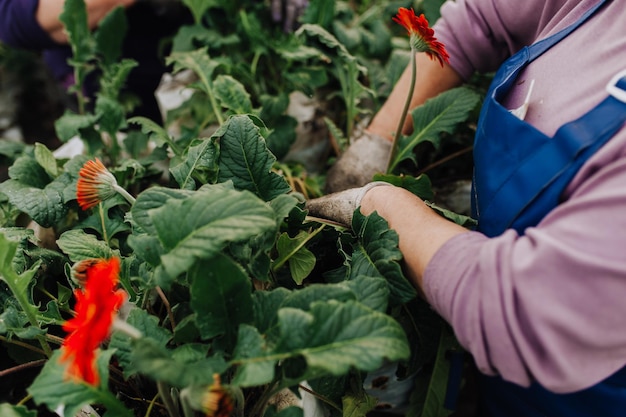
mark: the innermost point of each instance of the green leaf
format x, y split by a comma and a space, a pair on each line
111, 115
437, 115
45, 206
153, 198
201, 225
74, 18
438, 384
376, 254
122, 343
370, 291
156, 132
266, 305
29, 171
197, 7
114, 78
232, 95
79, 245
292, 250
53, 389
358, 405
420, 186
158, 363
200, 63
46, 159
251, 345
71, 124
459, 219
304, 298
245, 159
320, 12
110, 35
199, 164
8, 410
335, 337
220, 297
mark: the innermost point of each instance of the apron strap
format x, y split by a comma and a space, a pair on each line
554, 165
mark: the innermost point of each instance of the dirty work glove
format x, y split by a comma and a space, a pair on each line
339, 207
288, 12
365, 157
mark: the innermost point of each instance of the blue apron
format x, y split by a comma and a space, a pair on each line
520, 174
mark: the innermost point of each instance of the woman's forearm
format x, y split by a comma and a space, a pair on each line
48, 12
421, 231
431, 80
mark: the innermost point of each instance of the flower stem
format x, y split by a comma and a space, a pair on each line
125, 194
104, 230
405, 111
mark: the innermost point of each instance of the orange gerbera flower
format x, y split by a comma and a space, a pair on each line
96, 306
217, 401
422, 36
95, 184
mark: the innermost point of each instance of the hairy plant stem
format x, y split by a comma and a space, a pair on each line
405, 111
166, 397
22, 344
104, 230
22, 367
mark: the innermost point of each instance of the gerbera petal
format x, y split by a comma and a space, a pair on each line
95, 184
96, 306
422, 37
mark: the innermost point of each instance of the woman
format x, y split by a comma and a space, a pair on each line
536, 293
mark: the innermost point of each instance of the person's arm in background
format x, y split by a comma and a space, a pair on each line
48, 12
35, 25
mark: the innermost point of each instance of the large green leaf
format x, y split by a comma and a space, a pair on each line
437, 115
201, 225
150, 199
245, 159
45, 206
376, 254
220, 297
335, 337
53, 389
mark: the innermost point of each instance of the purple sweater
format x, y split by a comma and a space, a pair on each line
550, 305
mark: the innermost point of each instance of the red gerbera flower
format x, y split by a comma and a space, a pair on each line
95, 184
422, 36
96, 305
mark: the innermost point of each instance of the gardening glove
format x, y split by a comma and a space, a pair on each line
288, 12
365, 157
339, 207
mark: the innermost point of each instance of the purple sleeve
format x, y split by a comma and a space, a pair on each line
549, 305
19, 27
480, 34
